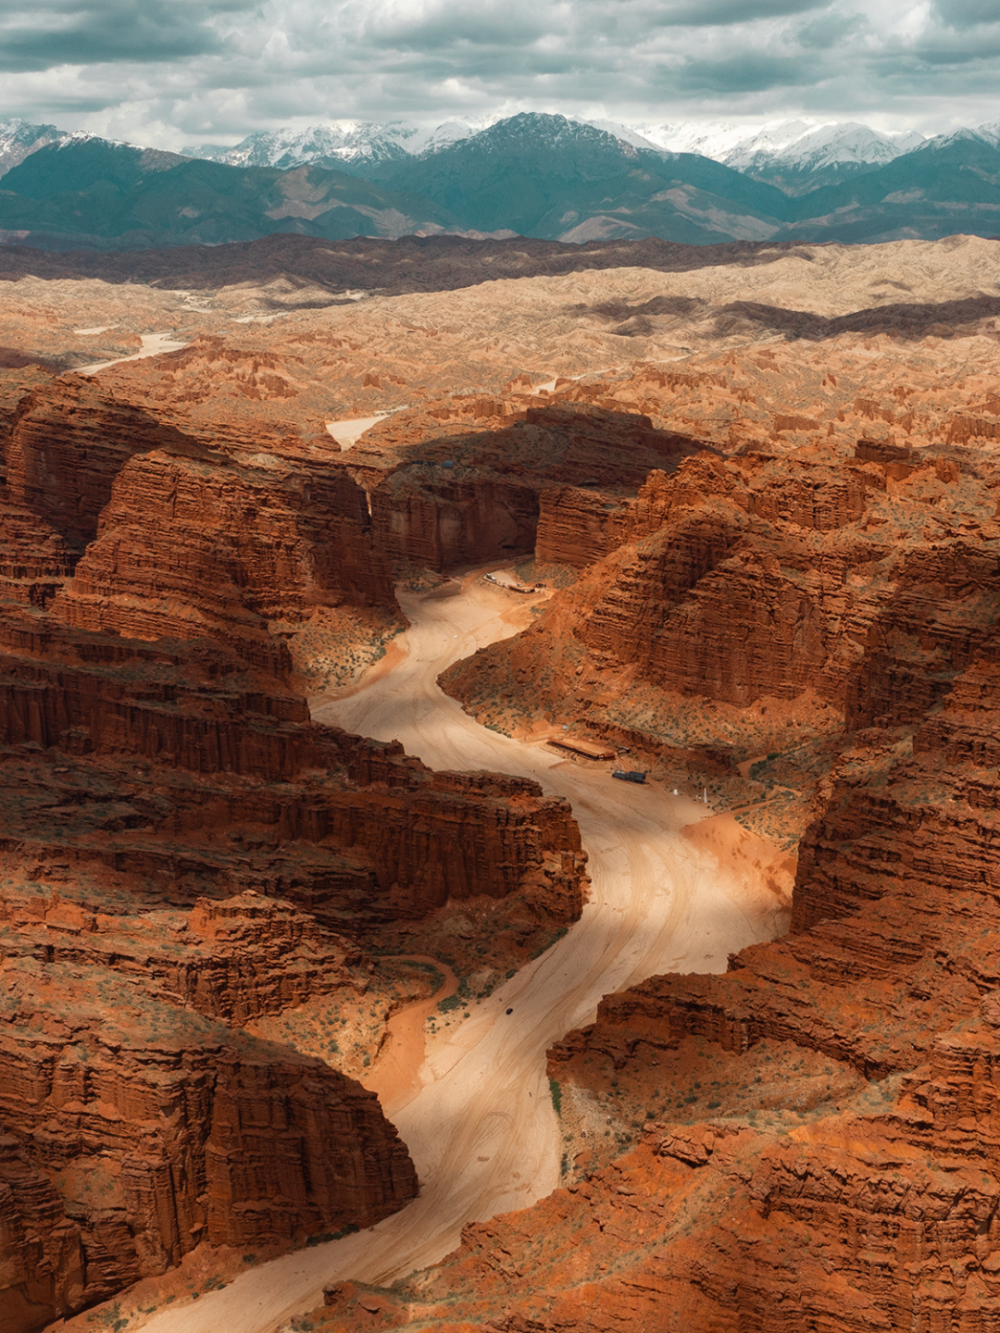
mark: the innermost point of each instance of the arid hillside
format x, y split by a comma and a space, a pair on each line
746, 518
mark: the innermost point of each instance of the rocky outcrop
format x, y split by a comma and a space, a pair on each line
34, 559
68, 443
145, 1120
199, 535
442, 499
96, 705
189, 548
43, 1256
442, 524
160, 1129
234, 959
748, 580
577, 527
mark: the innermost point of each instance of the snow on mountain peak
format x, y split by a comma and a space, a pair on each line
19, 138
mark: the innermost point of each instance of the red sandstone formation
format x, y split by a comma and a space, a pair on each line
818, 1152
67, 445
822, 561
180, 844
813, 592
447, 498
819, 1146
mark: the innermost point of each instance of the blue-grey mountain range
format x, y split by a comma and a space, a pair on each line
532, 175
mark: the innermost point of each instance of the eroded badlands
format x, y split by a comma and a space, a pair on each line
760, 491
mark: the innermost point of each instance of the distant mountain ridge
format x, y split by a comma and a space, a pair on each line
794, 155
340, 143
532, 174
19, 139
92, 193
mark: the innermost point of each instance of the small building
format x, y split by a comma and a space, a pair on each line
587, 749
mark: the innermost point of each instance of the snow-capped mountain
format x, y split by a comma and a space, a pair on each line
347, 145
330, 144
625, 133
532, 174
796, 143
18, 139
835, 143
796, 155
988, 133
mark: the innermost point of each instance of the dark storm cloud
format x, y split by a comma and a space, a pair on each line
749, 73
967, 13
57, 32
729, 12
175, 71
831, 30
499, 27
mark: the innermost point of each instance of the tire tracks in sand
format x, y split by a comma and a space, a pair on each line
481, 1130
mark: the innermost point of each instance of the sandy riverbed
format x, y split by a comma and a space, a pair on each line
481, 1128
153, 344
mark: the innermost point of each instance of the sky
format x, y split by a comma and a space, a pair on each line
174, 72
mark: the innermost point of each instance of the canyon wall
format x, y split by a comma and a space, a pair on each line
806, 1142
184, 854
841, 586
814, 1132
459, 486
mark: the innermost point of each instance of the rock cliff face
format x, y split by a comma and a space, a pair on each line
233, 958
830, 570
813, 1131
197, 537
159, 1128
441, 525
184, 854
486, 480
819, 1140
68, 443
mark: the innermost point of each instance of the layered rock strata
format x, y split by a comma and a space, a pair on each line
185, 854
160, 1129
443, 498
838, 579
196, 537
818, 1149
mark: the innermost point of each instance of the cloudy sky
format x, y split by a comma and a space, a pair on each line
170, 72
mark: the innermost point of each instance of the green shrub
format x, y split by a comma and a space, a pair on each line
556, 1093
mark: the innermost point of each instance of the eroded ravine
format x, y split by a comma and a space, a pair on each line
482, 1130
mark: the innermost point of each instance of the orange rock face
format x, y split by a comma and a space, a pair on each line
483, 487
778, 553
818, 1149
813, 1131
185, 854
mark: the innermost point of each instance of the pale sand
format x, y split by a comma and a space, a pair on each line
482, 1130
395, 1076
153, 344
349, 431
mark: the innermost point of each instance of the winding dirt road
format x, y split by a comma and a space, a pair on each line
482, 1130
153, 344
